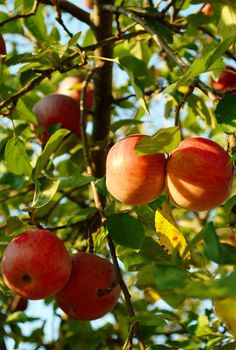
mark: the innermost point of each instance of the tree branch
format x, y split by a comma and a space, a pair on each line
72, 9
162, 43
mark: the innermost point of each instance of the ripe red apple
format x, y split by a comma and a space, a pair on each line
90, 292
2, 47
89, 3
134, 179
68, 87
207, 10
199, 174
57, 109
36, 264
226, 80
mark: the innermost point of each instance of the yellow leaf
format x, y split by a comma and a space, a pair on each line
226, 311
168, 231
151, 295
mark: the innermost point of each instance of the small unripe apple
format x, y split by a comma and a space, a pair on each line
134, 179
199, 174
2, 47
92, 290
207, 10
68, 87
226, 80
36, 264
57, 109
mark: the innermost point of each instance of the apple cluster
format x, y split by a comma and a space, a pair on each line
37, 265
62, 108
197, 175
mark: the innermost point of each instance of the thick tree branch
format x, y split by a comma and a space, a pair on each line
102, 21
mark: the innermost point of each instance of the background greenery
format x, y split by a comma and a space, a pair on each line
158, 53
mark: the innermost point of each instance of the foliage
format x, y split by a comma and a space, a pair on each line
162, 55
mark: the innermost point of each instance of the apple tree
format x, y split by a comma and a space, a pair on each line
146, 223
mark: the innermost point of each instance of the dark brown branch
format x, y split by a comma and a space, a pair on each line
72, 9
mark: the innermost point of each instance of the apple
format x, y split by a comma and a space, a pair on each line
91, 291
68, 87
89, 3
36, 264
199, 174
57, 109
134, 179
207, 10
2, 47
226, 80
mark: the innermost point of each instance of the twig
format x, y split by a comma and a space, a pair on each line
72, 9
182, 102
159, 39
32, 12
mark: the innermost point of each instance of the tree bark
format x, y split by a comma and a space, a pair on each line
102, 21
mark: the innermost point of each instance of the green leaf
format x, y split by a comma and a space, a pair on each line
136, 69
13, 224
21, 112
36, 25
74, 40
75, 181
149, 319
82, 216
16, 157
126, 230
226, 113
51, 146
159, 28
161, 277
164, 141
200, 109
19, 316
227, 22
154, 250
123, 122
211, 61
44, 191
228, 254
212, 245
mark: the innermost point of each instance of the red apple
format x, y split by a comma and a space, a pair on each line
2, 47
207, 10
199, 174
36, 264
134, 179
89, 3
226, 80
91, 291
57, 109
68, 87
